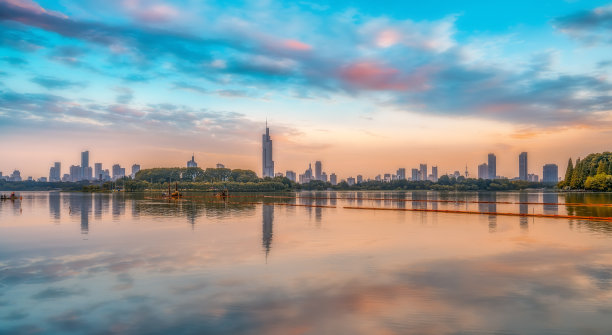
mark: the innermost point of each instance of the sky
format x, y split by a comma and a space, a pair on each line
366, 87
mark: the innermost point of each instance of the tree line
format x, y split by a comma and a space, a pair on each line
593, 173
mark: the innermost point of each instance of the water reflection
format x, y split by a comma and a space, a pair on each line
268, 220
487, 203
366, 272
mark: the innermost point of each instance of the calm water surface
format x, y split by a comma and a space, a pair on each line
128, 263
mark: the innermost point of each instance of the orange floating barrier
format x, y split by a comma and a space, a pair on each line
552, 216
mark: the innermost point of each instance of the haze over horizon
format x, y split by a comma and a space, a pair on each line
365, 88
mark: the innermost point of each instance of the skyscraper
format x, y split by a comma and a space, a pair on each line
415, 174
98, 171
492, 167
333, 179
423, 172
434, 173
192, 162
55, 172
550, 173
401, 174
135, 169
318, 168
266, 154
86, 169
483, 171
523, 166
290, 175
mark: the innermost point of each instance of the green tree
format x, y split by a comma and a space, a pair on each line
569, 171
602, 167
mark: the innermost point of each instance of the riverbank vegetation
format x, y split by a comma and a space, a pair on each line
593, 173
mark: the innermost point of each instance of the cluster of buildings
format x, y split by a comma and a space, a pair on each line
550, 172
488, 170
85, 171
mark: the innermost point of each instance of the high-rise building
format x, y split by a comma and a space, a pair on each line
359, 179
415, 175
98, 171
483, 171
434, 173
550, 173
220, 166
55, 172
135, 169
86, 169
533, 177
290, 175
15, 176
350, 181
324, 177
492, 166
318, 170
76, 173
523, 166
401, 174
118, 172
423, 172
333, 179
192, 163
266, 154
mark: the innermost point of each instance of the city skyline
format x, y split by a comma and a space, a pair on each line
404, 84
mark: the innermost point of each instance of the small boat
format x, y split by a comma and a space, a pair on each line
12, 196
173, 195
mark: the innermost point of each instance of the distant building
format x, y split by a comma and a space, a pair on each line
359, 179
75, 173
401, 173
318, 170
550, 173
221, 166
85, 168
66, 177
377, 178
434, 173
192, 163
290, 175
492, 166
523, 166
118, 172
387, 177
55, 172
333, 179
456, 174
483, 171
98, 171
415, 175
350, 181
42, 180
135, 169
30, 178
278, 174
15, 176
423, 172
266, 154
533, 178
324, 177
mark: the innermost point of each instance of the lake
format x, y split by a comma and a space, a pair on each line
253, 264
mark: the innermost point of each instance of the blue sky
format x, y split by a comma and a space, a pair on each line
397, 82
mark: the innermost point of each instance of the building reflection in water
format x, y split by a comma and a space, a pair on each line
268, 218
551, 199
524, 209
55, 200
85, 211
487, 203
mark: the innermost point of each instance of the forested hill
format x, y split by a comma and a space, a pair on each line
594, 173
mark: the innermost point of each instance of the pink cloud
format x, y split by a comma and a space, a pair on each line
150, 11
374, 76
32, 7
296, 45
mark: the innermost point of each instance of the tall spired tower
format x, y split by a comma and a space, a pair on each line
266, 154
